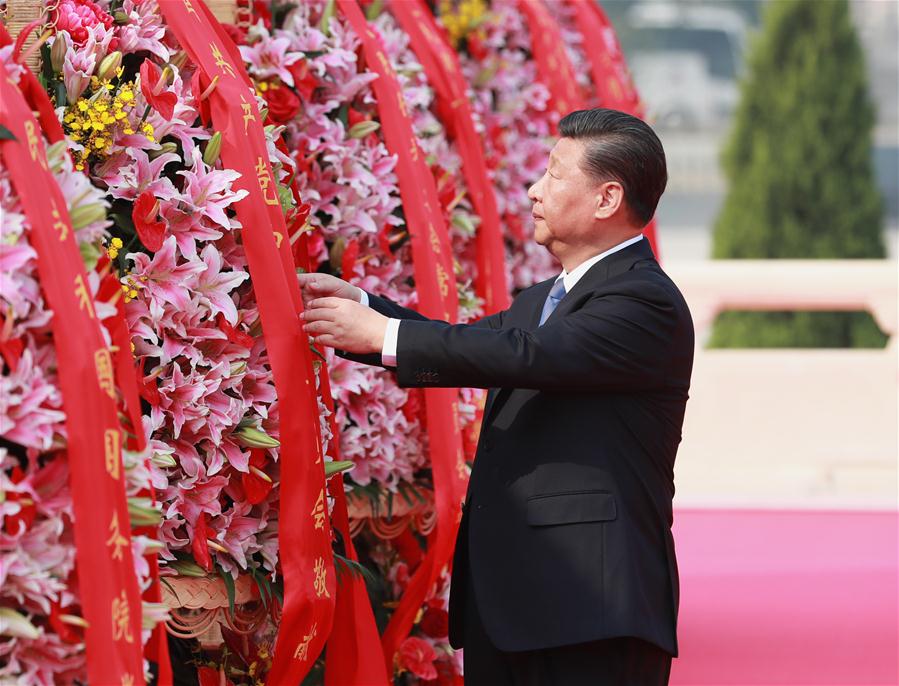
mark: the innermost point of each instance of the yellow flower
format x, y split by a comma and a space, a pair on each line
132, 293
116, 242
83, 106
113, 253
126, 95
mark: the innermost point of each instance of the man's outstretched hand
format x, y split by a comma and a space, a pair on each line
314, 285
342, 323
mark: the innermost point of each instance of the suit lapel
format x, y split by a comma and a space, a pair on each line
607, 268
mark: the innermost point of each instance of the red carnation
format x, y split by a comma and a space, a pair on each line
150, 231
283, 103
418, 656
154, 92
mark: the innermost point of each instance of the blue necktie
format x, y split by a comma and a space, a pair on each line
556, 293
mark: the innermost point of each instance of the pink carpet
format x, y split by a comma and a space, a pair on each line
787, 597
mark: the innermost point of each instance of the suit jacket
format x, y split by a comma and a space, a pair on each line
567, 519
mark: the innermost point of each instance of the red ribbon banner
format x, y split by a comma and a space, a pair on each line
434, 279
441, 65
611, 78
554, 69
110, 597
304, 535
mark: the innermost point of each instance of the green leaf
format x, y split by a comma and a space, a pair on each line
6, 134
229, 587
335, 466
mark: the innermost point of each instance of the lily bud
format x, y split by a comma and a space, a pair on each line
263, 114
163, 460
251, 437
121, 17
335, 466
215, 546
363, 128
142, 513
213, 149
164, 148
74, 620
109, 66
237, 368
56, 155
83, 215
58, 53
17, 625
186, 568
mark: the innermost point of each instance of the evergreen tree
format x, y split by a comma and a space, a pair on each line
800, 169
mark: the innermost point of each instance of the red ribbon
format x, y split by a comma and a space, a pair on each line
441, 65
110, 597
354, 656
436, 285
304, 535
554, 69
611, 78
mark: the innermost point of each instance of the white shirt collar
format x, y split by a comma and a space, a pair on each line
572, 277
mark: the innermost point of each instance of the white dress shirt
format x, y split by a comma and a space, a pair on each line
391, 334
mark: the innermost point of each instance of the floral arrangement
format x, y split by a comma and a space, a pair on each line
39, 598
517, 123
154, 205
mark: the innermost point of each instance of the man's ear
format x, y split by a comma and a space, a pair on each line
609, 199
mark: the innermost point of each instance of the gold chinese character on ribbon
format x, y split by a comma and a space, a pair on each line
189, 6
220, 61
413, 151
302, 650
248, 115
116, 540
121, 619
401, 103
318, 512
58, 224
84, 298
103, 363
34, 145
443, 280
435, 240
112, 442
264, 180
320, 585
127, 680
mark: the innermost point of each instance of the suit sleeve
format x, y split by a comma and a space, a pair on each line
391, 309
615, 341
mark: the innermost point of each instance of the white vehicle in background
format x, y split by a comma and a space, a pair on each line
686, 60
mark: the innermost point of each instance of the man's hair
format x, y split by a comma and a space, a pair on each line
622, 148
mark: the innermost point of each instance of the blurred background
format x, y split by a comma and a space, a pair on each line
780, 119
688, 58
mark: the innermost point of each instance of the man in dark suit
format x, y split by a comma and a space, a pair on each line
564, 571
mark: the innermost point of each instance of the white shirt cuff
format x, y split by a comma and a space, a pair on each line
388, 352
363, 297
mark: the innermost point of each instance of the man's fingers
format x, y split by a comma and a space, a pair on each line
326, 340
315, 314
320, 327
329, 303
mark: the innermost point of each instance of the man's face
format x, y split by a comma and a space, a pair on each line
564, 198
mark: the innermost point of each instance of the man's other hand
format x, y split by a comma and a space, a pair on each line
341, 323
314, 285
